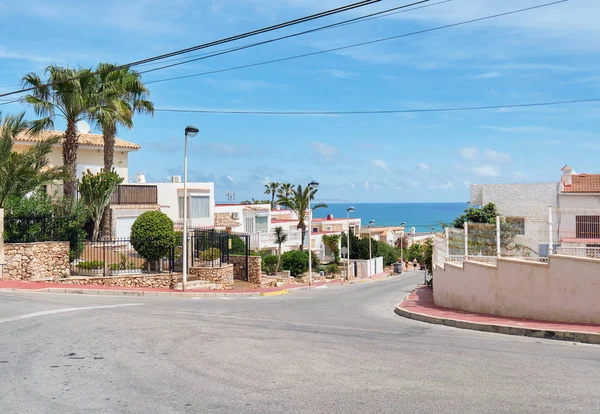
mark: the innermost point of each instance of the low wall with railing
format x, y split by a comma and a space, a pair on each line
36, 261
566, 289
254, 271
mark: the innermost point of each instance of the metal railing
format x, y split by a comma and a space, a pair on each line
262, 240
135, 194
591, 252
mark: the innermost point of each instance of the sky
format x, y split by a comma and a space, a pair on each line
547, 54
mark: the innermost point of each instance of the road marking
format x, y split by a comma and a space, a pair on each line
65, 310
321, 287
224, 298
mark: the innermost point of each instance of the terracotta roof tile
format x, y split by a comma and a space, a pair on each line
225, 220
583, 183
94, 140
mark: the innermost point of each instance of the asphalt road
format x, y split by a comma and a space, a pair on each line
339, 349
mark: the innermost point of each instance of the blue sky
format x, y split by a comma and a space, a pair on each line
542, 55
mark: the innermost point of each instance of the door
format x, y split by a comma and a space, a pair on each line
124, 227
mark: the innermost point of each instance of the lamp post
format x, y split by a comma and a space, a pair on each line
401, 245
313, 185
371, 223
190, 131
348, 211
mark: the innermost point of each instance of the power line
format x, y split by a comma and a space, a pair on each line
381, 112
320, 52
360, 19
215, 43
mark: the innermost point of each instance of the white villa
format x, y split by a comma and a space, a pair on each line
575, 204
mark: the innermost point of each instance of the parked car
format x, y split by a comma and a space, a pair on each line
421, 266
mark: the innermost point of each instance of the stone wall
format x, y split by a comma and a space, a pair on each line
35, 261
166, 281
218, 275
239, 268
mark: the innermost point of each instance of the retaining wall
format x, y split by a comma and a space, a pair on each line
35, 261
218, 275
166, 281
566, 289
239, 268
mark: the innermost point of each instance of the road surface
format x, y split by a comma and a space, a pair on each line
339, 349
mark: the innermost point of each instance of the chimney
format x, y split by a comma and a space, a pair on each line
176, 179
567, 173
141, 178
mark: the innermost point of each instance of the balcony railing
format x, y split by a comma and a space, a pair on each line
135, 194
267, 240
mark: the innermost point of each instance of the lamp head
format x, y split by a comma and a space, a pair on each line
350, 209
313, 185
191, 131
403, 223
372, 223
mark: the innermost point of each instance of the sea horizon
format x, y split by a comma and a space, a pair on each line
423, 217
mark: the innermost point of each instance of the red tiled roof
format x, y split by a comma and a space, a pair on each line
95, 140
583, 183
319, 220
276, 220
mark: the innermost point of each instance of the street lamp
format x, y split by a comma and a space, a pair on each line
401, 247
190, 131
371, 223
348, 211
313, 185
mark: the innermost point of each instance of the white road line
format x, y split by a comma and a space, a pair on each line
224, 298
65, 310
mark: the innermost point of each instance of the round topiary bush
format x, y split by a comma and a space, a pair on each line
270, 264
295, 261
152, 235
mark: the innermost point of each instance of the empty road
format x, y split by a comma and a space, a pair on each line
339, 349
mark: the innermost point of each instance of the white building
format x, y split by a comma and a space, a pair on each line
575, 202
201, 202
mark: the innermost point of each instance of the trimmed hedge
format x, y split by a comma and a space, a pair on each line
152, 235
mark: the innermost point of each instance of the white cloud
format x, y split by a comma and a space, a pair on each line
486, 171
519, 174
424, 167
325, 150
496, 156
381, 164
469, 153
444, 186
339, 74
486, 75
230, 178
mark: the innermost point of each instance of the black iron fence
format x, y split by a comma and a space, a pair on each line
118, 257
209, 248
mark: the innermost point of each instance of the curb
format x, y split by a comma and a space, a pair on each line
583, 337
275, 293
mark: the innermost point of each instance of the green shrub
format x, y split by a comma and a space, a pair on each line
114, 266
238, 246
211, 254
152, 235
332, 269
315, 261
295, 261
270, 264
92, 265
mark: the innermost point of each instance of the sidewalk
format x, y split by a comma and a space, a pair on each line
19, 286
419, 305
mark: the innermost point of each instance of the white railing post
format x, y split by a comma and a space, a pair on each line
550, 235
466, 239
447, 231
498, 247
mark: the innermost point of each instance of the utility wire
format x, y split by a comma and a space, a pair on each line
215, 43
320, 52
329, 26
380, 112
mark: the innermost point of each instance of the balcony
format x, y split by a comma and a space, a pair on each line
135, 194
267, 240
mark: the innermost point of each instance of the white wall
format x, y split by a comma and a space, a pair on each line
565, 290
168, 199
517, 200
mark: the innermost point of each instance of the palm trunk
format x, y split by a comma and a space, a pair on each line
69, 153
303, 237
278, 259
108, 134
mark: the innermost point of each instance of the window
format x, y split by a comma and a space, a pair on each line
587, 227
262, 224
517, 224
198, 207
315, 229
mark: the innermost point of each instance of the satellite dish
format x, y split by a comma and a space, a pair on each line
83, 127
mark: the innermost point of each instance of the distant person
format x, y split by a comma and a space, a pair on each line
415, 264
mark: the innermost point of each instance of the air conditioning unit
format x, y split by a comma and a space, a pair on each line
235, 216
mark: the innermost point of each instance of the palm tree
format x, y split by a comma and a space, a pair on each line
124, 92
280, 238
22, 173
272, 189
285, 190
332, 241
298, 202
253, 201
70, 94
